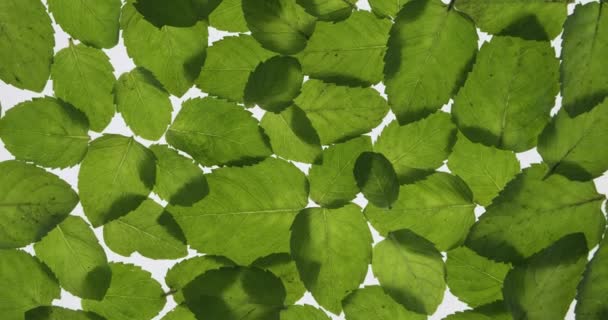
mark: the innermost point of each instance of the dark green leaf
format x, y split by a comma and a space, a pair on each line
184, 272
181, 312
377, 179
493, 311
274, 83
329, 10
305, 312
58, 313
373, 303
176, 13
282, 266
592, 290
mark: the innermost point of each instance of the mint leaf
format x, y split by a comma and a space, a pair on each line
58, 313
593, 286
387, 8
377, 179
282, 266
305, 312
329, 10
228, 16
274, 83
181, 312
373, 303
493, 311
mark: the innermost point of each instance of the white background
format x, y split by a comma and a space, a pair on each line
10, 96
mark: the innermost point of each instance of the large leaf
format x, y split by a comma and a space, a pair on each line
506, 100
305, 312
26, 44
419, 76
387, 8
228, 16
377, 179
59, 313
148, 230
486, 170
133, 294
545, 284
571, 146
176, 13
373, 303
533, 211
26, 284
283, 266
115, 177
83, 77
329, 10
418, 148
76, 258
181, 312
279, 25
32, 203
92, 22
258, 203
493, 311
590, 304
340, 112
331, 53
332, 250
45, 131
332, 180
217, 132
410, 270
274, 83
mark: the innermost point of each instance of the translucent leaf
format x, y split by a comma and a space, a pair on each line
329, 10
176, 13
59, 313
228, 16
282, 266
184, 272
274, 83
493, 311
304, 312
181, 312
377, 179
387, 8
373, 303
590, 304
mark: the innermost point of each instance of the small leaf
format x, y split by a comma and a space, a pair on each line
181, 312
377, 179
373, 303
305, 312
329, 10
387, 8
282, 266
274, 83
228, 16
58, 313
493, 311
590, 305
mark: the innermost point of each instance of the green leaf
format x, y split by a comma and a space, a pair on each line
486, 170
439, 208
506, 100
176, 13
26, 284
217, 132
178, 179
332, 249
329, 10
332, 181
585, 42
545, 284
115, 177
45, 131
291, 135
83, 76
493, 311
174, 55
590, 305
143, 103
332, 55
428, 144
339, 113
533, 211
377, 179
92, 22
32, 203
181, 312
76, 258
474, 279
387, 8
279, 25
570, 145
228, 66
184, 272
235, 294
373, 303
410, 270
26, 44
305, 312
58, 313
274, 83
148, 230
258, 203
282, 266
528, 19
420, 77
133, 294
228, 16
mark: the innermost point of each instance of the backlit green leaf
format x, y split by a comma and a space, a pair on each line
184, 272
274, 83
181, 312
305, 312
373, 303
594, 286
493, 311
329, 10
176, 13
282, 266
58, 313
387, 8
377, 179
228, 16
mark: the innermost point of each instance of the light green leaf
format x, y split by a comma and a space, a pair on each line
332, 180
474, 279
26, 284
184, 272
545, 284
420, 77
585, 43
332, 55
410, 270
274, 83
305, 312
181, 312
75, 256
373, 303
533, 211
439, 208
332, 249
228, 65
291, 135
387, 8
571, 146
282, 266
174, 55
148, 230
92, 22
590, 304
258, 203
178, 179
528, 19
339, 113
428, 144
494, 311
235, 294
143, 103
486, 170
32, 203
133, 294
506, 100
26, 44
45, 131
217, 132
83, 76
228, 16
377, 179
115, 177
329, 10
58, 313
279, 25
